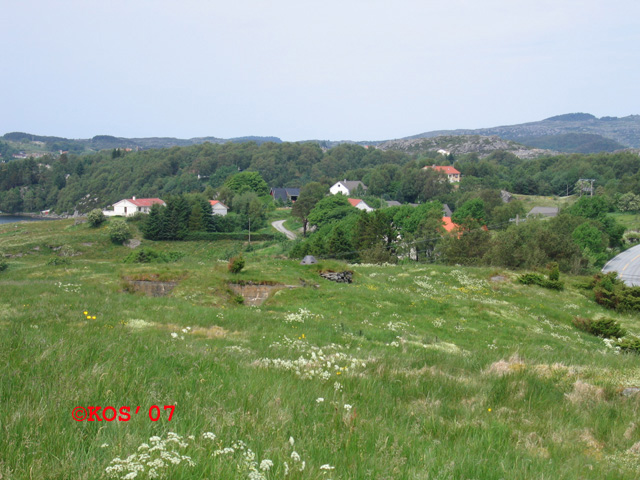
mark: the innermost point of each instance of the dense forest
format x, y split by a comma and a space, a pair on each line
83, 182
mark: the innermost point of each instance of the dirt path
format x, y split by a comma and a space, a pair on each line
279, 225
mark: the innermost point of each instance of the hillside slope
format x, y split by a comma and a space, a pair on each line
413, 371
463, 144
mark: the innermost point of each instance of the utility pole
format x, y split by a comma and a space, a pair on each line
581, 185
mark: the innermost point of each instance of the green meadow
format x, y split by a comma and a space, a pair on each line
413, 371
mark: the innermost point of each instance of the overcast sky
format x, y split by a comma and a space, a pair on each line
307, 69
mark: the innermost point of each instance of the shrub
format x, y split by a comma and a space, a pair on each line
537, 279
603, 327
629, 345
612, 293
136, 217
56, 261
554, 271
148, 255
236, 264
3, 264
96, 218
119, 231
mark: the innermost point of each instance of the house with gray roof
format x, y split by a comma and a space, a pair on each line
285, 194
347, 187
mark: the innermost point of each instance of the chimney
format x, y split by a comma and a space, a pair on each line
134, 197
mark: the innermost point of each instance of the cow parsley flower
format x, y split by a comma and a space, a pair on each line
265, 465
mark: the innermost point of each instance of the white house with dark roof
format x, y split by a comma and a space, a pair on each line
130, 206
347, 187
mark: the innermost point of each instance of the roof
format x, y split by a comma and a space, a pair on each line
217, 202
354, 201
448, 224
393, 203
449, 170
353, 184
284, 193
546, 211
446, 211
145, 202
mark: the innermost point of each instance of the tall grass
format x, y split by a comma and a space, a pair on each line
435, 372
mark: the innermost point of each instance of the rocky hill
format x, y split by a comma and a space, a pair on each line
463, 144
624, 130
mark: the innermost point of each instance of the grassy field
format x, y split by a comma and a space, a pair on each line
411, 372
630, 221
531, 201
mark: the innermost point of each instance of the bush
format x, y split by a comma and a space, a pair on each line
603, 327
537, 279
56, 261
213, 236
119, 231
554, 271
148, 255
136, 217
3, 264
96, 218
629, 345
236, 264
611, 292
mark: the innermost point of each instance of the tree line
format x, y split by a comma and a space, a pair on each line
83, 182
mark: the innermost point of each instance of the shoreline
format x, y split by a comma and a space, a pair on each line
40, 216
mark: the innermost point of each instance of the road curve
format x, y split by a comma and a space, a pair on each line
627, 264
279, 225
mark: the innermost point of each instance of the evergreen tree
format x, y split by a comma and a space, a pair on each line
196, 223
153, 224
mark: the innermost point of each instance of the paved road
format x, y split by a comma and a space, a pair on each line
627, 264
279, 225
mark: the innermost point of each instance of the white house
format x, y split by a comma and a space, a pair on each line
129, 207
360, 205
218, 208
347, 187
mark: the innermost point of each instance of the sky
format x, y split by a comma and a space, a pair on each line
308, 69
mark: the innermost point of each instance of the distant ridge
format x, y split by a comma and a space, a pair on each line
102, 142
623, 130
570, 132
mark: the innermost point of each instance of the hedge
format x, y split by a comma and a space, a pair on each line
242, 236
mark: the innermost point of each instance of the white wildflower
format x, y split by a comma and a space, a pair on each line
291, 441
319, 400
265, 465
209, 436
348, 407
326, 466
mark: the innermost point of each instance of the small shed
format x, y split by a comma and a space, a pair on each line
308, 260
